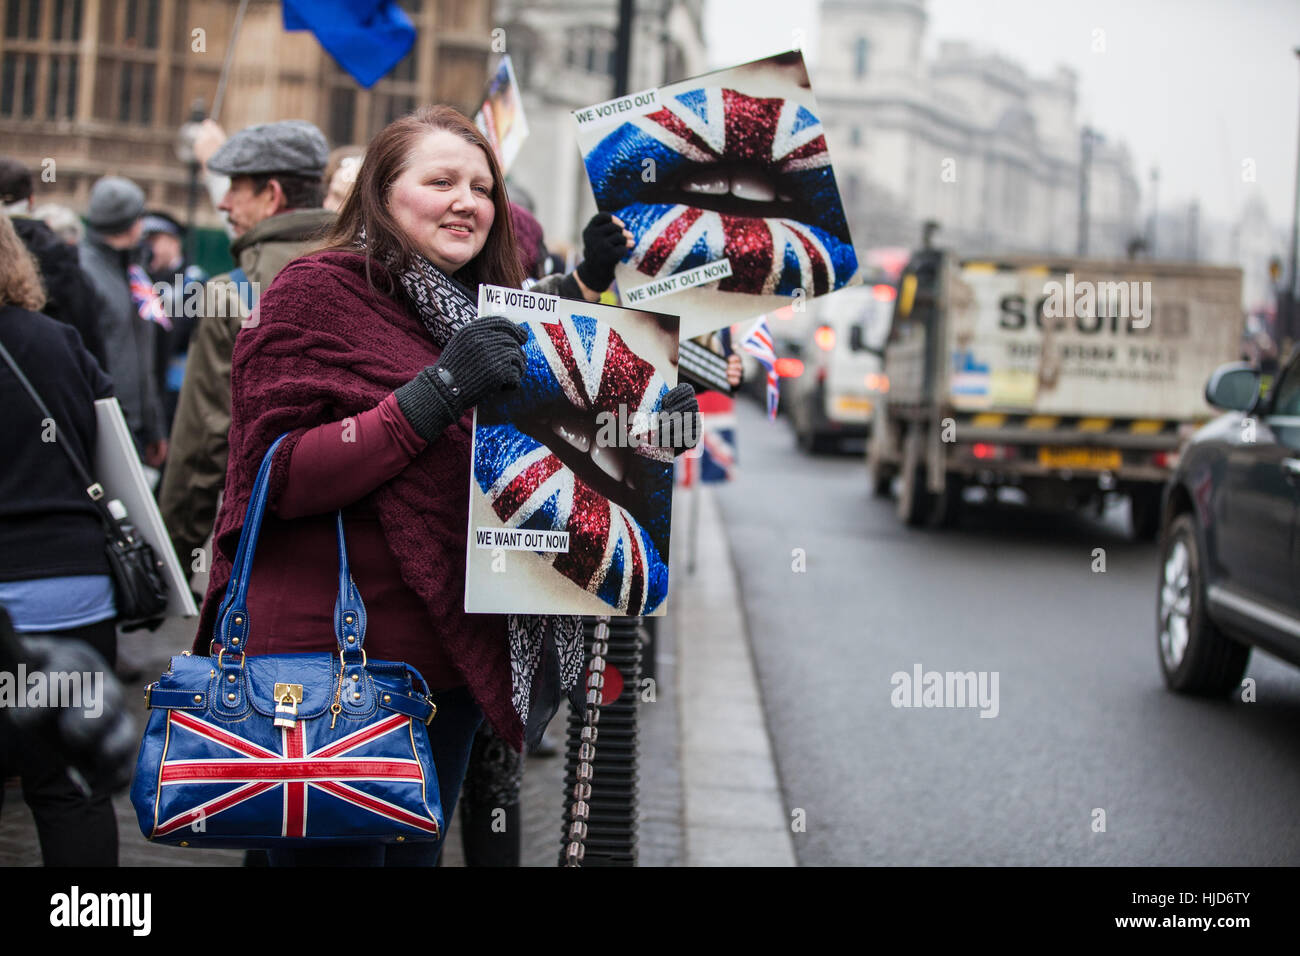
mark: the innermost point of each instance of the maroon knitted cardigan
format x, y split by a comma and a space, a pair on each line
325, 346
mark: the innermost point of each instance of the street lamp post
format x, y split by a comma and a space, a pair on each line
185, 138
1155, 210
1085, 163
1289, 329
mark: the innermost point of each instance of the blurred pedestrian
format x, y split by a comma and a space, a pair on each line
54, 575
69, 296
208, 138
129, 313
64, 222
175, 281
274, 208
341, 175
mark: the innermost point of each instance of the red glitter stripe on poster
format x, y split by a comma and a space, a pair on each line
663, 246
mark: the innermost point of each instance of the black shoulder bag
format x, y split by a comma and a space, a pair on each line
139, 585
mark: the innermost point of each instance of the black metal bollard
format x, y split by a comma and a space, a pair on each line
611, 793
650, 648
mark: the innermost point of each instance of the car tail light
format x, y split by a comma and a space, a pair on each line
987, 451
1165, 459
883, 293
789, 367
877, 382
824, 337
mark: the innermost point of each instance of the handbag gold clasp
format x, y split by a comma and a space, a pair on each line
287, 699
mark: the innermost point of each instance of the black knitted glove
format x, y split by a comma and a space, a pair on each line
478, 361
679, 407
603, 247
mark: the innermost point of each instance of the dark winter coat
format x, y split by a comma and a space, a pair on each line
128, 339
48, 527
69, 295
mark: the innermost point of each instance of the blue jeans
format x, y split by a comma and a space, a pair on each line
451, 735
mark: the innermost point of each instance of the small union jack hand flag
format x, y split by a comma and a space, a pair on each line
146, 300
758, 343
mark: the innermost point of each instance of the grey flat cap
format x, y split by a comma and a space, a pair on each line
290, 146
115, 205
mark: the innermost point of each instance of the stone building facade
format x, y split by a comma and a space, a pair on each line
969, 139
563, 54
92, 87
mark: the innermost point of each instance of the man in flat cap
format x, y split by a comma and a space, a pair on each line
128, 314
274, 209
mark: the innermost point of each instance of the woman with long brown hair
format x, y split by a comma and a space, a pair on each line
54, 575
370, 354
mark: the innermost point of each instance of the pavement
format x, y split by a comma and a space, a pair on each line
709, 792
734, 813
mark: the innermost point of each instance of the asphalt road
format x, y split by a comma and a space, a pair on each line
1083, 723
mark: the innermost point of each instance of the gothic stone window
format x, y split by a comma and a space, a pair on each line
38, 72
591, 49
128, 61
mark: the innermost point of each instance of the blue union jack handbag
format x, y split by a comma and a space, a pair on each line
286, 750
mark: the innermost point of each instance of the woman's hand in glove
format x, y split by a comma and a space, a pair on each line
604, 244
679, 420
478, 361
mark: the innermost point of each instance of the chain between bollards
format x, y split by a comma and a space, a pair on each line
600, 819
580, 810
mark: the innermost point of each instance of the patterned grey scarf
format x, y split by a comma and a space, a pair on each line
546, 651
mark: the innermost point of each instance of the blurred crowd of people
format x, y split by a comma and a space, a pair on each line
146, 324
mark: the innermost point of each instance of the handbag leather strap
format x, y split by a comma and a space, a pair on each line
232, 627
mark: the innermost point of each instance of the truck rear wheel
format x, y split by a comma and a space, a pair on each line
914, 501
945, 507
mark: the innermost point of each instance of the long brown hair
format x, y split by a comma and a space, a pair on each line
366, 207
20, 279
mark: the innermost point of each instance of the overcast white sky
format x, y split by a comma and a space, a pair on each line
1193, 86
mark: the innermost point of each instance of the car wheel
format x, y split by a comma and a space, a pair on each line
1195, 656
1144, 512
880, 478
945, 507
824, 444
805, 439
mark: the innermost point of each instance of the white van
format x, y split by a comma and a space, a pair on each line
831, 368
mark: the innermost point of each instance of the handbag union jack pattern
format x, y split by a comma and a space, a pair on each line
214, 779
546, 462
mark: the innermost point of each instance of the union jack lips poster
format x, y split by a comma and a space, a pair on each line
571, 482
726, 184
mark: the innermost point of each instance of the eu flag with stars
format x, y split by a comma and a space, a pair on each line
367, 38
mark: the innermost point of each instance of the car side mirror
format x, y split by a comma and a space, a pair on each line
858, 341
1234, 387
